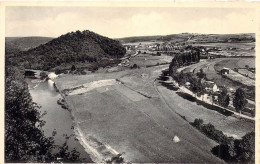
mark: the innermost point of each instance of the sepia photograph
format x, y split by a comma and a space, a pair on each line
129, 84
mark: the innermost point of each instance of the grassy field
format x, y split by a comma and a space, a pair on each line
243, 49
122, 118
227, 45
246, 61
130, 116
144, 60
238, 63
142, 43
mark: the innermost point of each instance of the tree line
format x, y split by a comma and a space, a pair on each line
186, 57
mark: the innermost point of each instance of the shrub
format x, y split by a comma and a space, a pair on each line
210, 131
43, 75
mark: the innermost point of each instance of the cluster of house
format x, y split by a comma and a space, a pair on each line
165, 46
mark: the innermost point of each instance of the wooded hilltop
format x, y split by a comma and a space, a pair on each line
72, 48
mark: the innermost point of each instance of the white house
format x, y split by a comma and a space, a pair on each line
215, 88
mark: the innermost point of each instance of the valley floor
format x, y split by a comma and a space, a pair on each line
139, 117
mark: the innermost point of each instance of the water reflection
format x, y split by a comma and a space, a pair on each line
44, 94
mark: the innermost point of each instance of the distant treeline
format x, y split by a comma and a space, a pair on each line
203, 38
70, 48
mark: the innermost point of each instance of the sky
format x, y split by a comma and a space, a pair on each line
117, 22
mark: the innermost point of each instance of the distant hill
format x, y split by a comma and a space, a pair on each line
15, 44
179, 37
190, 37
71, 48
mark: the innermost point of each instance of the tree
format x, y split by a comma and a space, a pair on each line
223, 98
239, 100
246, 147
198, 123
196, 86
73, 68
237, 150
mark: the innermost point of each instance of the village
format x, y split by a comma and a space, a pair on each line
212, 88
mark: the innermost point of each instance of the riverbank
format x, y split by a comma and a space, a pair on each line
57, 119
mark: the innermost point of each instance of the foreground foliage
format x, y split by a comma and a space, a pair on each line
230, 149
24, 138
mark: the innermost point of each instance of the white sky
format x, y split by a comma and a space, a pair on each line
124, 22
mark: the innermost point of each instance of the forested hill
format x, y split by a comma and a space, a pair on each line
71, 48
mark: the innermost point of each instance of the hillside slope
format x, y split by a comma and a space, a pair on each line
212, 38
71, 48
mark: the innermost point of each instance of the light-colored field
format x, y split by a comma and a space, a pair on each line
142, 43
240, 78
243, 49
227, 45
144, 60
233, 63
92, 85
246, 61
245, 72
72, 81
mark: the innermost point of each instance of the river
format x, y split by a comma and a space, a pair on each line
57, 118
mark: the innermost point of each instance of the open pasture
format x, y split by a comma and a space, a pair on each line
246, 46
142, 128
246, 61
144, 60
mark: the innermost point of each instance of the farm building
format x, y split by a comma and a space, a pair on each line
224, 71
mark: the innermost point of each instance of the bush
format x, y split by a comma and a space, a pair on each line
198, 122
210, 131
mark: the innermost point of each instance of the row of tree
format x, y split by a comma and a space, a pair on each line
188, 56
239, 100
